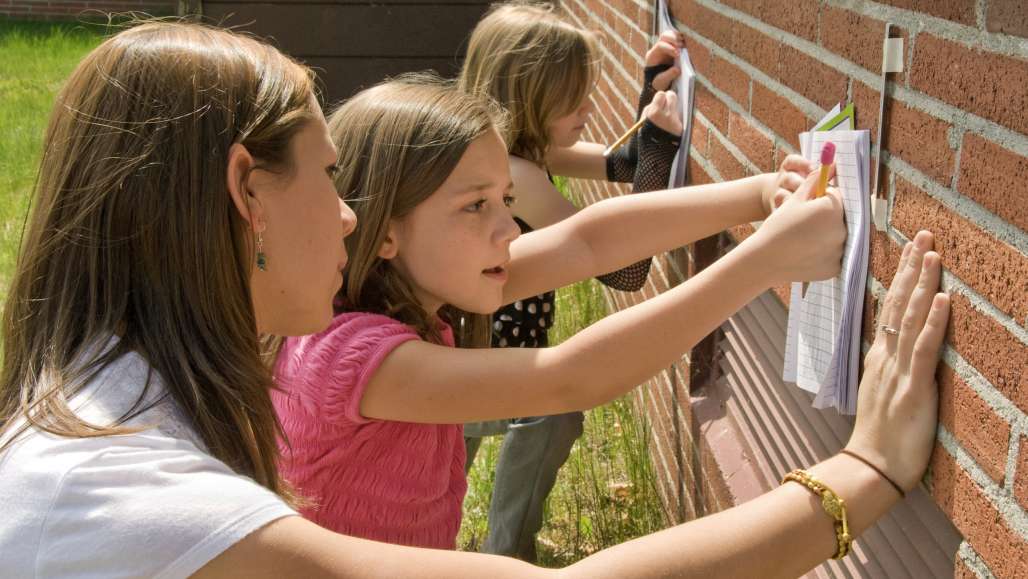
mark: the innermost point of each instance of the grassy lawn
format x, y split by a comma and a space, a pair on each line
35, 59
605, 493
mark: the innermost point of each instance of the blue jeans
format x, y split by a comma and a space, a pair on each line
533, 451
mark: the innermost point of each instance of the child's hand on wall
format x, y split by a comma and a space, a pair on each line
803, 239
897, 406
664, 52
663, 112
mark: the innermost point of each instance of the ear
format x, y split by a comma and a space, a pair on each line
238, 176
391, 244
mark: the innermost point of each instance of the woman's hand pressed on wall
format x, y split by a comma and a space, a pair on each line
897, 404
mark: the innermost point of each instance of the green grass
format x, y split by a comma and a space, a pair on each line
35, 58
605, 493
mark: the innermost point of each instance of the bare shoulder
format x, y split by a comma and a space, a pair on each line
526, 174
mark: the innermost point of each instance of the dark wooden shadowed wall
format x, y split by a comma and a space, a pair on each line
353, 44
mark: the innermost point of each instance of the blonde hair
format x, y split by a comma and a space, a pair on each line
398, 142
133, 234
535, 64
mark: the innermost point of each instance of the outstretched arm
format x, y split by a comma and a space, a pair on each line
781, 534
801, 241
614, 233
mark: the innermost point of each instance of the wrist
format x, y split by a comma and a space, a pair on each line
651, 72
866, 494
757, 253
768, 186
652, 133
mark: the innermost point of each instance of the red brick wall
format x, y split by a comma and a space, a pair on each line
79, 9
956, 162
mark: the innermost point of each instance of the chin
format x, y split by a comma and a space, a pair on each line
484, 307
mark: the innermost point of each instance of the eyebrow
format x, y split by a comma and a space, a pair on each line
481, 186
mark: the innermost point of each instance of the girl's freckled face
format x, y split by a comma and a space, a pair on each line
455, 244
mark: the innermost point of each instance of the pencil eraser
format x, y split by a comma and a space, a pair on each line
828, 153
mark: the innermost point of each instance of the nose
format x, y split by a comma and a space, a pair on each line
508, 230
587, 108
349, 218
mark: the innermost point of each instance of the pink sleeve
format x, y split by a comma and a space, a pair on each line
329, 372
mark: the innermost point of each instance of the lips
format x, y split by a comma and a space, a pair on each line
497, 273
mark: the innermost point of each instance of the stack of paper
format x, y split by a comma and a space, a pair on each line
684, 89
822, 351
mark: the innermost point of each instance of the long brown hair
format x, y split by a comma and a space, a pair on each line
535, 64
133, 234
398, 142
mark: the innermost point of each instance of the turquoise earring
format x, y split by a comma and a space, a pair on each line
262, 259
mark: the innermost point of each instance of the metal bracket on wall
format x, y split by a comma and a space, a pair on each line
892, 61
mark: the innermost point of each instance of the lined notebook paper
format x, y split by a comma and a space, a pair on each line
822, 350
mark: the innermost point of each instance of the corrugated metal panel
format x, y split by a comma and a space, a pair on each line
783, 431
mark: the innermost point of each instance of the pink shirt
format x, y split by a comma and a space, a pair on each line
397, 482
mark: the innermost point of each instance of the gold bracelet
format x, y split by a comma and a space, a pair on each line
833, 505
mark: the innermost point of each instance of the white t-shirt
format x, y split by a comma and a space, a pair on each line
150, 504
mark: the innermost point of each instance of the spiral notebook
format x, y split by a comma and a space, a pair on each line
822, 352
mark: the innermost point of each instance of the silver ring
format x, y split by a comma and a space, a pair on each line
890, 330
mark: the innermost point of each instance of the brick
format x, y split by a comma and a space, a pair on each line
783, 293
639, 45
811, 78
865, 103
977, 518
961, 11
1008, 17
704, 21
990, 85
726, 163
984, 434
884, 257
731, 80
753, 143
699, 56
1021, 474
993, 268
712, 108
778, 113
995, 177
696, 174
921, 140
756, 48
798, 17
740, 232
862, 41
698, 139
997, 355
961, 570
867, 327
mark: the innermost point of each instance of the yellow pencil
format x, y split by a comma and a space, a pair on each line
623, 138
827, 158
